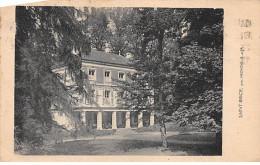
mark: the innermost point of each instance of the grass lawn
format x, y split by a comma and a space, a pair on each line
170, 127
202, 143
195, 144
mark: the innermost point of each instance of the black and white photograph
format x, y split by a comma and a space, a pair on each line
118, 81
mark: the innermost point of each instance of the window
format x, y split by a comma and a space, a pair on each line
107, 73
107, 76
106, 97
121, 76
91, 72
107, 94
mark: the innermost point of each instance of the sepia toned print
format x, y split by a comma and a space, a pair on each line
118, 81
85, 81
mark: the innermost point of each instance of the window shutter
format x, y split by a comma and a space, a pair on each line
115, 97
99, 101
92, 97
96, 96
112, 98
103, 96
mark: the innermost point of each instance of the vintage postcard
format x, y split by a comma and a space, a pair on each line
130, 81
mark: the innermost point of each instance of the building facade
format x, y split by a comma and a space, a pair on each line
100, 111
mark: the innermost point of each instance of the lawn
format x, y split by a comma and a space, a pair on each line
170, 127
195, 144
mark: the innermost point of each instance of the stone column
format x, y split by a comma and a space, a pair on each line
99, 120
151, 119
127, 119
83, 117
140, 119
114, 124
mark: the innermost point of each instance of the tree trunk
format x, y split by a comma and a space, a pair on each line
163, 135
160, 55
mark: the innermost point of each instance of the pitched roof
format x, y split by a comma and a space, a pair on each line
106, 58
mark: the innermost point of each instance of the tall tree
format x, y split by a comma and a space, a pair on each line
198, 88
155, 27
96, 23
182, 73
203, 26
45, 37
197, 97
122, 21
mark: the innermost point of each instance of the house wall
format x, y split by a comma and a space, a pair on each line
100, 85
100, 111
100, 71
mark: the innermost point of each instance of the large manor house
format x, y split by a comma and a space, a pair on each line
101, 110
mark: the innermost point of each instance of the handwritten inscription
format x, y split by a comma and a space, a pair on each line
244, 22
246, 35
